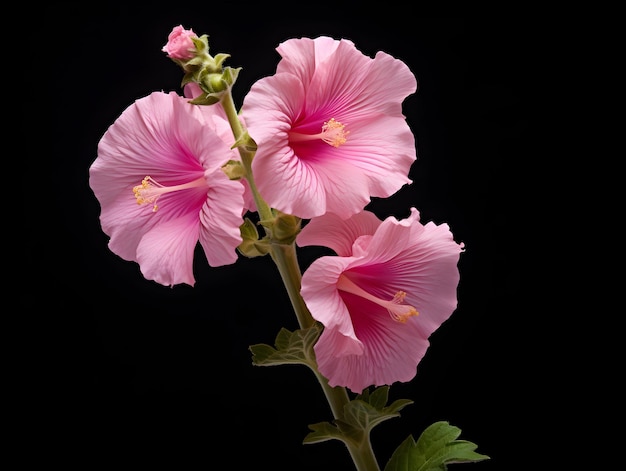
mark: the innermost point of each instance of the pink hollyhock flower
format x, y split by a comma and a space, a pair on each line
159, 182
329, 128
179, 44
391, 285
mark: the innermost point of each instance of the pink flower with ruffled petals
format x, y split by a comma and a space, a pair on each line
179, 44
329, 128
391, 285
161, 189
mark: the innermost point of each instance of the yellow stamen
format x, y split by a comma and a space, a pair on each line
144, 193
149, 191
333, 133
403, 311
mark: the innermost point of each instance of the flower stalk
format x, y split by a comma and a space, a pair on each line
286, 261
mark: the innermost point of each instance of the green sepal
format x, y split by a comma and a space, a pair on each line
251, 246
360, 416
195, 63
201, 43
246, 142
283, 227
230, 75
207, 99
291, 348
234, 170
214, 82
434, 450
219, 60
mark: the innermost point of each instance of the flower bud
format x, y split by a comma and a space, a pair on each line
213, 83
234, 170
285, 228
179, 45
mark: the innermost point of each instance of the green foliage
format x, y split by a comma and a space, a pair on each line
360, 416
291, 348
435, 449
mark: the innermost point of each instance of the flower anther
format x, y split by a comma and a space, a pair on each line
149, 191
333, 133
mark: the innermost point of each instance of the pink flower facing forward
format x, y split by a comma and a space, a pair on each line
159, 182
329, 128
391, 285
179, 44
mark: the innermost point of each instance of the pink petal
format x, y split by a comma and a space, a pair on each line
336, 233
165, 253
221, 218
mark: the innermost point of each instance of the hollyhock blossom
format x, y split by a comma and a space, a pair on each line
329, 128
179, 44
159, 182
391, 285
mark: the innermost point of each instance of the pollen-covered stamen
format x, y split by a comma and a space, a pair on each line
149, 191
398, 311
333, 133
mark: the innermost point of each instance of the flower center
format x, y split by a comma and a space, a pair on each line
398, 311
333, 133
149, 191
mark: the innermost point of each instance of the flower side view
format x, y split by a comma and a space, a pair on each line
391, 285
161, 188
329, 128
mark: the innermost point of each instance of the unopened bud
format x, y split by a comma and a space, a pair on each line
180, 45
285, 228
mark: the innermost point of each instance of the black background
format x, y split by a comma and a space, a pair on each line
136, 374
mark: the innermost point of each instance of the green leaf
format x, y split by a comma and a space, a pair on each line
435, 449
366, 416
360, 416
291, 348
324, 431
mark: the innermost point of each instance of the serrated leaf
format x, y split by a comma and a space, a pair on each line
365, 416
378, 398
291, 348
435, 449
322, 432
360, 416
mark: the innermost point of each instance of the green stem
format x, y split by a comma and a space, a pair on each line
286, 260
228, 104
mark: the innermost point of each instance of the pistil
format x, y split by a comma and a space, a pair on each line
333, 133
397, 310
149, 191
